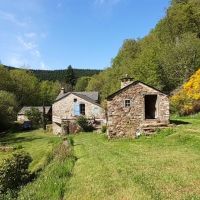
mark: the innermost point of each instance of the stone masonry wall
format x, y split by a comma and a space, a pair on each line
126, 121
64, 109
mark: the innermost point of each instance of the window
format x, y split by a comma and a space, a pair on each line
127, 103
82, 109
75, 100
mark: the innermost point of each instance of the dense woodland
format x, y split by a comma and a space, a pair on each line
165, 59
59, 75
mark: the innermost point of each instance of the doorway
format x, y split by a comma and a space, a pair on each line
150, 106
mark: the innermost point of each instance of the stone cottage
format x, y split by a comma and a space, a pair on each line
68, 106
136, 108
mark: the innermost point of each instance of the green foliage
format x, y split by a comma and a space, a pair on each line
103, 128
48, 92
165, 58
82, 83
84, 124
5, 80
24, 86
14, 172
70, 76
34, 116
51, 184
8, 107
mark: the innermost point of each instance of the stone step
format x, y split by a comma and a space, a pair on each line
154, 125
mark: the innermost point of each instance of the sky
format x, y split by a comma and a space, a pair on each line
52, 34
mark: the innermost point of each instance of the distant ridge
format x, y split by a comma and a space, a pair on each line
59, 74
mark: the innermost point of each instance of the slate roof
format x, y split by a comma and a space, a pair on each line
40, 108
92, 97
131, 84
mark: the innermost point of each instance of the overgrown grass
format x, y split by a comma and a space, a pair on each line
164, 166
52, 181
37, 143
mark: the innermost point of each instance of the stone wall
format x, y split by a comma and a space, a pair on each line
126, 121
64, 110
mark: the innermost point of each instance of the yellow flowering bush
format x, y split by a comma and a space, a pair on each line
187, 100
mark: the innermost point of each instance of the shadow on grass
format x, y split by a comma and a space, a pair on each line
12, 139
178, 122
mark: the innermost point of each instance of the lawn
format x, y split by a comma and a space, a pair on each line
36, 142
165, 166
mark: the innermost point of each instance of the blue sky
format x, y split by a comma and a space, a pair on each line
52, 34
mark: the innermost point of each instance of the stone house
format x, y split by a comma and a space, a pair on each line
21, 117
135, 109
68, 106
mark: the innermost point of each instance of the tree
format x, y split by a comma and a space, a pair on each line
5, 80
70, 76
25, 86
82, 83
48, 90
34, 116
8, 105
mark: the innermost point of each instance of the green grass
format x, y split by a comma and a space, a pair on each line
52, 181
165, 166
37, 143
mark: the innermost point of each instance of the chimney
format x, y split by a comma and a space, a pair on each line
126, 81
62, 91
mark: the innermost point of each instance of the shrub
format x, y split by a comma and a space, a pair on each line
14, 172
103, 128
34, 116
84, 124
186, 100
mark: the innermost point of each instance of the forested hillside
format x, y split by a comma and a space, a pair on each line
165, 58
59, 75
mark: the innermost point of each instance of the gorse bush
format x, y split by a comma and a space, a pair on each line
14, 172
186, 100
84, 124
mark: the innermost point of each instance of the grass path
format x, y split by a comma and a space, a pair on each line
166, 166
36, 142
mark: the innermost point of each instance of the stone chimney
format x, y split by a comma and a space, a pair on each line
126, 81
62, 91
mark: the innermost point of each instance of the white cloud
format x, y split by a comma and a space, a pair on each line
11, 18
28, 45
30, 35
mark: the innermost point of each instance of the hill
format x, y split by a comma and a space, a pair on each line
165, 58
54, 75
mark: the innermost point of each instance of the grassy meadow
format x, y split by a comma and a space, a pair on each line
37, 143
164, 166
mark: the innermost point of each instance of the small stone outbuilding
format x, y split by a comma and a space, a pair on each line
135, 108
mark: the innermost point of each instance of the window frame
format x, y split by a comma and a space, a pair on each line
82, 112
127, 104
